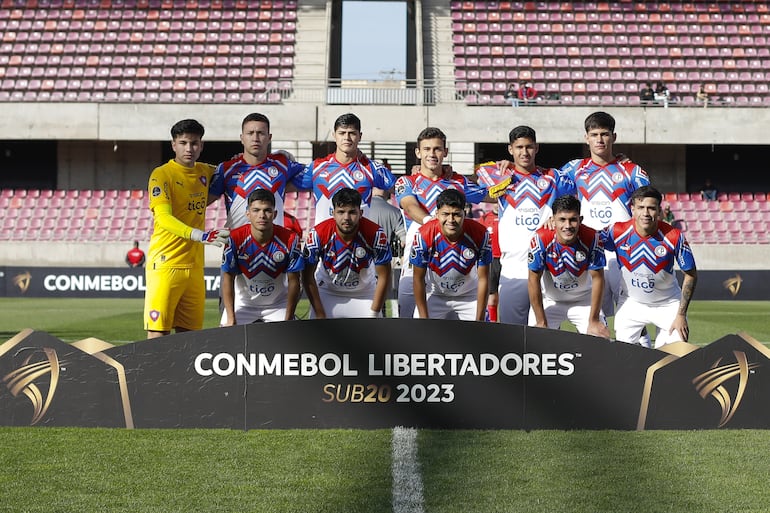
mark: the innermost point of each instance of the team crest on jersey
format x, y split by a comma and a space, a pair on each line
468, 254
154, 315
279, 256
660, 251
530, 257
542, 183
203, 180
579, 256
360, 252
155, 191
400, 188
358, 175
273, 171
617, 177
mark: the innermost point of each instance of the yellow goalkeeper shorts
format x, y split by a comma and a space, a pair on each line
175, 298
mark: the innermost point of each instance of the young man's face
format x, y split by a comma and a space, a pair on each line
566, 224
187, 148
256, 138
646, 213
450, 219
347, 217
600, 141
523, 151
431, 153
261, 215
347, 139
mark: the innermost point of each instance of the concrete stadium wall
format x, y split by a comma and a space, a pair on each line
313, 122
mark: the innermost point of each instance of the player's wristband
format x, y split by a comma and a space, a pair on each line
426, 219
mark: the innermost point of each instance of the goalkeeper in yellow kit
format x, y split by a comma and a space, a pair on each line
178, 192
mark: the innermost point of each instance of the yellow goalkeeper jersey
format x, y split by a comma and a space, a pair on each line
186, 190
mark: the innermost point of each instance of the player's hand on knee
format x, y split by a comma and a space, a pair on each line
215, 237
599, 330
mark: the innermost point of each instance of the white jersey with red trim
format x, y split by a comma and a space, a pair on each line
647, 262
327, 175
347, 268
524, 206
451, 267
605, 191
565, 266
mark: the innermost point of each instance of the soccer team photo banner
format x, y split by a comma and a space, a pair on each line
380, 373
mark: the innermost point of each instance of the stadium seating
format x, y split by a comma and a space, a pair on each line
736, 218
106, 215
147, 51
604, 52
733, 219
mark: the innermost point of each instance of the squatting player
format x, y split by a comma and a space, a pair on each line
566, 273
525, 193
416, 194
347, 167
604, 187
347, 262
270, 260
451, 256
646, 250
178, 190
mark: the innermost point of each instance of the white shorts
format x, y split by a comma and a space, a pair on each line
632, 316
406, 294
453, 308
612, 284
575, 312
245, 314
338, 307
513, 302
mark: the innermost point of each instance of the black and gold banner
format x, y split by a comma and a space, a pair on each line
380, 373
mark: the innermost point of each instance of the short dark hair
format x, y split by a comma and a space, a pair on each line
600, 120
451, 198
261, 195
345, 197
187, 126
431, 133
522, 131
646, 191
566, 203
256, 116
348, 120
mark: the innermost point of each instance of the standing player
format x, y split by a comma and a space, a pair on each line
451, 256
525, 193
604, 187
347, 262
646, 249
566, 273
175, 295
490, 220
416, 194
255, 169
347, 167
270, 260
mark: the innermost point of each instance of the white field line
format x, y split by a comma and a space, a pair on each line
407, 478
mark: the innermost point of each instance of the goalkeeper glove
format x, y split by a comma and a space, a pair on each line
498, 190
215, 237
